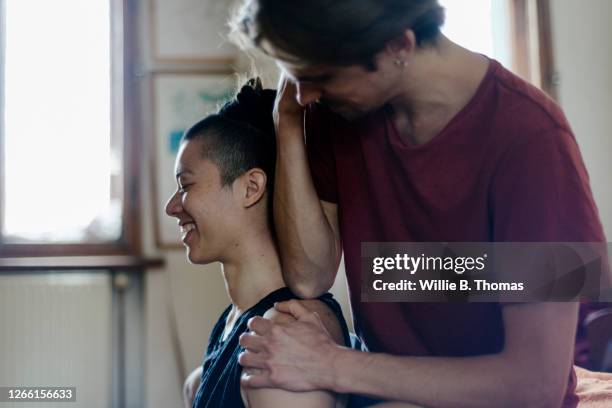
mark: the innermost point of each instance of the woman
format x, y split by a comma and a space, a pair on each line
224, 171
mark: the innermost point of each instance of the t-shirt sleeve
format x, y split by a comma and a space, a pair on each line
541, 193
319, 147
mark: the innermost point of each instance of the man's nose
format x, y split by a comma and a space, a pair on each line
307, 93
173, 206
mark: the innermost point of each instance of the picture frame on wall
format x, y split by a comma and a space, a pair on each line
179, 100
191, 32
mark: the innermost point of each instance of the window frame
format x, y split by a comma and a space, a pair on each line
123, 36
524, 15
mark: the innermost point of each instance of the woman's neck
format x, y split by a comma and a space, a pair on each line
253, 272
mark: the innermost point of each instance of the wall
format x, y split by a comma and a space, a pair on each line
584, 60
583, 54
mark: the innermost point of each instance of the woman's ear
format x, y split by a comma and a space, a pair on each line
255, 181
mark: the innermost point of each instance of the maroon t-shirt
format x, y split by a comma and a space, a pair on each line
506, 168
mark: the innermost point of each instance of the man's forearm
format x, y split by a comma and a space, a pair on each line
308, 250
481, 381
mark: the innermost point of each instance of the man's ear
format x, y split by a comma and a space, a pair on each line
403, 45
255, 181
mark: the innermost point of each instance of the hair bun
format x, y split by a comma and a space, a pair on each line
250, 91
253, 105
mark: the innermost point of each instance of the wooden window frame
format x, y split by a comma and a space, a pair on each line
123, 36
532, 48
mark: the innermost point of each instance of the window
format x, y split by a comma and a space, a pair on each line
63, 148
514, 32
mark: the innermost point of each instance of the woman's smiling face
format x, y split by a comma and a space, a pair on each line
207, 212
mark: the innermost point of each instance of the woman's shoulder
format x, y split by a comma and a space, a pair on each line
332, 321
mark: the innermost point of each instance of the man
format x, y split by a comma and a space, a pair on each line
410, 137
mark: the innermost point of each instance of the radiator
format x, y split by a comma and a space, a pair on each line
56, 330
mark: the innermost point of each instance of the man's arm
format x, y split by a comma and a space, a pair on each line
307, 228
532, 370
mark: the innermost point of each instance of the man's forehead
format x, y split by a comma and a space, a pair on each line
277, 54
293, 65
306, 72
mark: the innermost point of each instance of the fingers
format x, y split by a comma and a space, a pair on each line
294, 308
284, 88
256, 379
282, 81
285, 85
252, 342
259, 325
286, 98
251, 360
290, 91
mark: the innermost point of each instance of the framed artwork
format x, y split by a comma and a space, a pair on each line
191, 31
179, 101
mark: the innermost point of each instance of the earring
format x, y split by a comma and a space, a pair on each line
400, 63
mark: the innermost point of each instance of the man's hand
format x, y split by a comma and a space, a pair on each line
190, 387
295, 356
288, 114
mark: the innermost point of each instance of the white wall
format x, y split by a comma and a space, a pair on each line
583, 54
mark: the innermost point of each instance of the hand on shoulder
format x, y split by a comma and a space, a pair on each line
313, 311
297, 343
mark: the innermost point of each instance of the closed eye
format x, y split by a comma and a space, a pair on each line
183, 189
